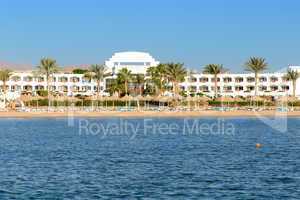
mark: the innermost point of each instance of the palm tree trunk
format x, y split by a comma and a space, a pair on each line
216, 85
98, 89
141, 90
174, 88
4, 91
256, 81
126, 87
48, 91
294, 88
161, 87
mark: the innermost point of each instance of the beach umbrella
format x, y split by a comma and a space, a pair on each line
140, 98
189, 99
225, 99
287, 100
112, 99
147, 99
127, 98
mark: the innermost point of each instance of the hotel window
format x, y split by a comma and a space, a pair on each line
227, 89
239, 88
284, 79
16, 88
63, 79
86, 80
262, 88
203, 88
52, 79
213, 88
213, 79
74, 79
75, 88
27, 88
39, 87
193, 79
96, 88
86, 88
16, 78
27, 79
132, 63
274, 87
63, 88
250, 79
193, 89
285, 88
262, 79
250, 88
274, 79
239, 79
40, 79
203, 80
227, 79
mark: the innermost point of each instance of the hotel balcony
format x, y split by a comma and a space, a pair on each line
203, 80
239, 79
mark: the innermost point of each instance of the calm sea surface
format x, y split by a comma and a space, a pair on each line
166, 158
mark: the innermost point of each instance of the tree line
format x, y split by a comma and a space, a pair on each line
159, 79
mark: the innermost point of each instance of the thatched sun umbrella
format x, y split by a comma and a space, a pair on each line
202, 100
189, 99
127, 99
287, 100
227, 99
148, 99
112, 99
140, 98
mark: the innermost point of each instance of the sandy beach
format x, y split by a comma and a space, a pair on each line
208, 113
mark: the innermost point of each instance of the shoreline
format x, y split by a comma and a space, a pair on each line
144, 114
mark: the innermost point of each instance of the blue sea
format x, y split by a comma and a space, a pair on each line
154, 158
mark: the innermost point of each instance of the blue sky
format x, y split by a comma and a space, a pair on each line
195, 32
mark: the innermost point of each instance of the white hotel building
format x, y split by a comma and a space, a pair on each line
229, 84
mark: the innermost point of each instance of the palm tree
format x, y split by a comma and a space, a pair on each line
97, 72
4, 77
125, 76
215, 70
114, 87
176, 73
140, 81
158, 77
256, 65
47, 67
292, 75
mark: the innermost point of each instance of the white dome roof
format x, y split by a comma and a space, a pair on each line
137, 62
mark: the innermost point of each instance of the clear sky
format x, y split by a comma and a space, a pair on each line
196, 32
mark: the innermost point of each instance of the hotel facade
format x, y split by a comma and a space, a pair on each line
229, 84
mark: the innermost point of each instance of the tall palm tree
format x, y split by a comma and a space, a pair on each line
4, 77
215, 70
98, 73
125, 76
256, 65
139, 79
176, 73
47, 67
158, 77
115, 87
292, 75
